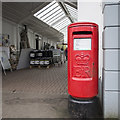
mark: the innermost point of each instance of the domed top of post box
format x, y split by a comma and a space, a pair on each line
83, 24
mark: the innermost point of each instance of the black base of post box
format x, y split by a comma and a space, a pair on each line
85, 108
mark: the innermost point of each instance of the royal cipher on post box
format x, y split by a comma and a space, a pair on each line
83, 60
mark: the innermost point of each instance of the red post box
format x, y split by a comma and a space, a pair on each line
83, 60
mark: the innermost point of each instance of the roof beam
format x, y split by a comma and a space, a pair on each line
72, 4
62, 5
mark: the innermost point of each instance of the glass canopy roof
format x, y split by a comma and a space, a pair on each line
54, 15
72, 11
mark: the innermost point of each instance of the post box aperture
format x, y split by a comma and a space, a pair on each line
83, 60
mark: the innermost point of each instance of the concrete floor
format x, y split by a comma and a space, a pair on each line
36, 93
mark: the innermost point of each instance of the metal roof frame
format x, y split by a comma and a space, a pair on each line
49, 11
72, 4
61, 12
45, 9
58, 16
53, 13
66, 11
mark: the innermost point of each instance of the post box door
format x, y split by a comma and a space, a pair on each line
82, 57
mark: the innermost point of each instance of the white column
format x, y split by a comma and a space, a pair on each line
92, 12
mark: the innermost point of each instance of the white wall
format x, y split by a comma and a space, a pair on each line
65, 32
14, 30
10, 29
44, 40
31, 37
92, 12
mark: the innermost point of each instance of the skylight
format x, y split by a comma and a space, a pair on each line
53, 15
63, 23
73, 12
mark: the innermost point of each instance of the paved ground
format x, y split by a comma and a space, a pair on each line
36, 93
